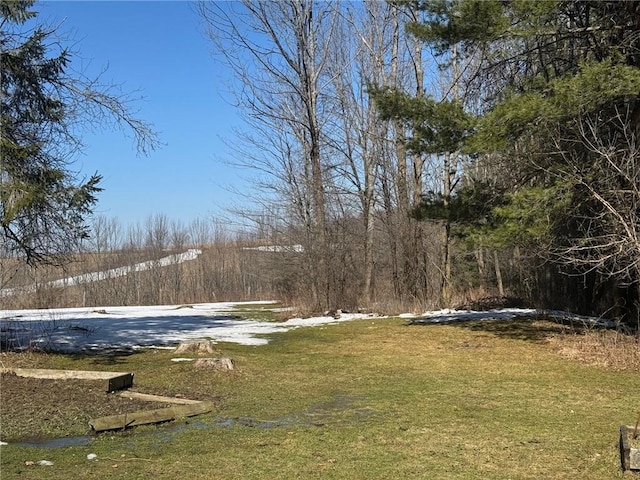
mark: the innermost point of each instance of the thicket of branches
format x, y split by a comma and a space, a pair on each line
131, 265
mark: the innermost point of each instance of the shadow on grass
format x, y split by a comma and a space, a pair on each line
531, 329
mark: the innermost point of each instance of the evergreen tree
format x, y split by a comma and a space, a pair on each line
557, 85
43, 204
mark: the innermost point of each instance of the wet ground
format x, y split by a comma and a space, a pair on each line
56, 413
33, 409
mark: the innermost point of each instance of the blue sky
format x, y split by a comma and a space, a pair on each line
160, 49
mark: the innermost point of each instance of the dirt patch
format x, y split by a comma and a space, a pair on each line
32, 408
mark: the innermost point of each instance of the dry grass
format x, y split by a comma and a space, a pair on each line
605, 348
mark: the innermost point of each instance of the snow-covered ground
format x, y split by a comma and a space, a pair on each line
449, 315
86, 329
96, 329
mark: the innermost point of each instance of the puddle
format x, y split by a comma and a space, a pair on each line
340, 408
56, 442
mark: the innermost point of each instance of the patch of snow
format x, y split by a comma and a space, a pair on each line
568, 317
164, 326
313, 321
277, 248
87, 329
190, 254
449, 315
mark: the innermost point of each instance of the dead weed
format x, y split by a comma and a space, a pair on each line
605, 348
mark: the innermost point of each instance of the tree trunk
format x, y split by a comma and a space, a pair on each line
446, 254
496, 263
482, 269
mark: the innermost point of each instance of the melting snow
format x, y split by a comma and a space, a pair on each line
82, 329
95, 329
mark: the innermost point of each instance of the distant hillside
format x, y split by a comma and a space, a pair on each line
222, 272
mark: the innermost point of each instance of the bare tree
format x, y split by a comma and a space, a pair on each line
200, 232
178, 235
403, 174
278, 51
362, 56
105, 234
157, 233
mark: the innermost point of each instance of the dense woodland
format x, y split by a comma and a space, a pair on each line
407, 154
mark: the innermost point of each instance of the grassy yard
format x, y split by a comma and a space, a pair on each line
374, 399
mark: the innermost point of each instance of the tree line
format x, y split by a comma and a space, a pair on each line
430, 153
142, 264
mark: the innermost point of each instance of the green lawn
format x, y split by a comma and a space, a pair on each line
374, 399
